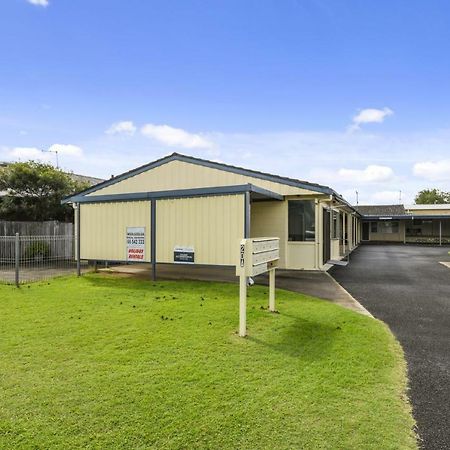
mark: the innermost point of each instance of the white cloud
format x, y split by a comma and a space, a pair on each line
124, 127
370, 115
38, 2
36, 154
433, 170
314, 156
386, 197
66, 149
175, 137
371, 174
27, 153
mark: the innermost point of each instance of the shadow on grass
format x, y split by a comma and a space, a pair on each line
303, 338
120, 281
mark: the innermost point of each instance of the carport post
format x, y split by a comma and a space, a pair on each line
242, 306
153, 237
272, 290
440, 232
17, 257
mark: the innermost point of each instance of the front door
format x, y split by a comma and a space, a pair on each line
365, 231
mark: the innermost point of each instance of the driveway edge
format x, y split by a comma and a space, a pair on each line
352, 303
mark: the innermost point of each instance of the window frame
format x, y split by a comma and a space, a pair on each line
307, 227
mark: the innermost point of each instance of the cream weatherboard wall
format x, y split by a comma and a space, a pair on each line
270, 219
103, 228
388, 237
213, 226
182, 175
429, 212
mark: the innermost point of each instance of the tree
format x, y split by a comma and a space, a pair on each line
34, 192
432, 196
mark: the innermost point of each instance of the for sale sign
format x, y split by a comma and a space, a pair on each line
135, 243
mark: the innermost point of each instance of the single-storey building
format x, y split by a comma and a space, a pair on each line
413, 224
185, 209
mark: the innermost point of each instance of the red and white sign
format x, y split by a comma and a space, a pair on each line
135, 243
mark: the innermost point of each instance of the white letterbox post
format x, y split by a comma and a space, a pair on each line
256, 256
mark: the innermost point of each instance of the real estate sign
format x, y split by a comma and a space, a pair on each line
135, 243
184, 255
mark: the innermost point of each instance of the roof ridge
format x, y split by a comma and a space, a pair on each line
281, 177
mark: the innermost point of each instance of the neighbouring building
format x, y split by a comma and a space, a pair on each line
411, 224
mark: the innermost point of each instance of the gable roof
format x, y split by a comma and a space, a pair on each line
85, 178
381, 210
214, 165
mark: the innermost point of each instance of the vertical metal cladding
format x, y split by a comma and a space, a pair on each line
212, 226
103, 228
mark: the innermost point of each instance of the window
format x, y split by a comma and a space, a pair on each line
302, 221
374, 227
390, 227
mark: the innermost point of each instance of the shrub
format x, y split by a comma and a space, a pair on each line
37, 250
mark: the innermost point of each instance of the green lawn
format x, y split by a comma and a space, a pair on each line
108, 362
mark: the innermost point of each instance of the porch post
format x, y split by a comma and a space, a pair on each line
247, 215
344, 232
153, 236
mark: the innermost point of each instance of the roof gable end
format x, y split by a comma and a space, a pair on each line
210, 164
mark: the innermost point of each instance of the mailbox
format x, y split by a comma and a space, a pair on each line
256, 256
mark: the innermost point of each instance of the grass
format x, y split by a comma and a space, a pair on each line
108, 362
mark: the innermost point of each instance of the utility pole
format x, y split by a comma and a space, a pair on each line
400, 198
357, 198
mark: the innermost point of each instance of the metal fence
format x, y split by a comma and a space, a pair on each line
32, 258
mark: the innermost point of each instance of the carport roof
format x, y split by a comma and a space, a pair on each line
256, 193
396, 212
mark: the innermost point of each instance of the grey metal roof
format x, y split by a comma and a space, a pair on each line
85, 178
215, 165
381, 210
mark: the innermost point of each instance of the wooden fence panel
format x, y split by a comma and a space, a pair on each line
49, 228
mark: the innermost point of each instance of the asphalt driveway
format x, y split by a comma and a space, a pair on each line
406, 287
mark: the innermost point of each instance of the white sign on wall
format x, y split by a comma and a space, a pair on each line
183, 255
135, 243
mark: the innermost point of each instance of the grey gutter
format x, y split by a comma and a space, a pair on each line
346, 203
177, 193
405, 217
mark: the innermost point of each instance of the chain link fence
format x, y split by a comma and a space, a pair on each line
32, 258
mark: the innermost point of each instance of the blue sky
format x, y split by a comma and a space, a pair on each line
352, 94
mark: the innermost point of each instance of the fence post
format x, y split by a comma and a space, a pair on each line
17, 257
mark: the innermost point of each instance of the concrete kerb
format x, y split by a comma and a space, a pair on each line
352, 302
